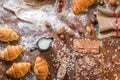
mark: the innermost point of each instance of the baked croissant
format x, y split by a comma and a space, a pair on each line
80, 5
11, 52
18, 70
7, 34
41, 68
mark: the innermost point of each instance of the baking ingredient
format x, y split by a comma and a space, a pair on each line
88, 29
47, 24
60, 30
71, 25
60, 5
70, 32
62, 36
44, 43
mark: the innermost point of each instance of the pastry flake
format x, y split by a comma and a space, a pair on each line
18, 70
7, 34
11, 52
41, 68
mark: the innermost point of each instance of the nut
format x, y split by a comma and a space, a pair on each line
47, 24
80, 30
62, 36
102, 2
61, 4
60, 30
70, 32
88, 29
71, 25
92, 20
95, 13
59, 9
112, 2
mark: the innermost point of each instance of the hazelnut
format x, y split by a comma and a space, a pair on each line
80, 30
93, 20
88, 29
59, 9
102, 2
61, 4
47, 24
112, 2
62, 36
71, 25
60, 30
70, 32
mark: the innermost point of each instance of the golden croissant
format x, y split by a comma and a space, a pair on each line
11, 52
80, 5
18, 70
7, 34
41, 68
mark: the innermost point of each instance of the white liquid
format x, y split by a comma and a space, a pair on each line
44, 43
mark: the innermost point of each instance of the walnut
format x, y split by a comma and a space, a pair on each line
60, 30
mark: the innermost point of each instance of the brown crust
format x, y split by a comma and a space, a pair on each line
86, 46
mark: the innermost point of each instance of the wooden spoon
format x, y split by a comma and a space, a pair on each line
27, 15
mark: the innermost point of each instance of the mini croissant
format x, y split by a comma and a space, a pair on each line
7, 34
18, 70
11, 52
80, 5
41, 68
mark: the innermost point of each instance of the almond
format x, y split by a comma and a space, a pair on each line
60, 30
88, 29
70, 32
